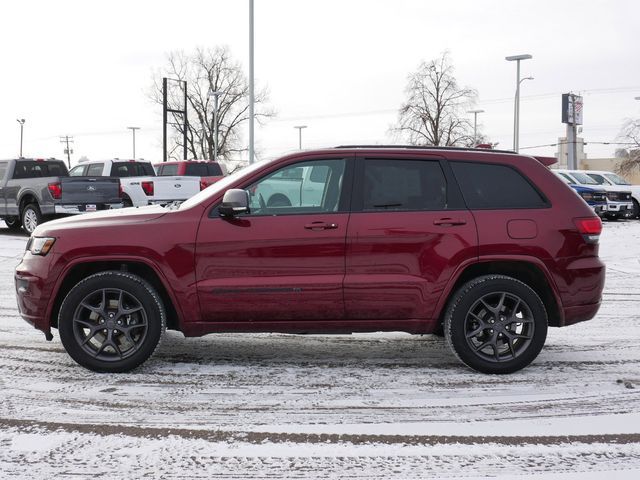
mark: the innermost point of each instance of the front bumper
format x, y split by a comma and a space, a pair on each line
33, 292
622, 209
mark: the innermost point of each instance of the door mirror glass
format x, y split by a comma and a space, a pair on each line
234, 202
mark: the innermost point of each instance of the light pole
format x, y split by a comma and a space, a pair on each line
516, 107
133, 130
21, 122
300, 127
251, 95
215, 96
475, 125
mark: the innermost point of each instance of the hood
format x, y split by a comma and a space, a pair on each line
105, 218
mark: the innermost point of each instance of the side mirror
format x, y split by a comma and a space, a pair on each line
234, 202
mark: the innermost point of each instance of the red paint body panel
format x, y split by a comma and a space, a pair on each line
374, 271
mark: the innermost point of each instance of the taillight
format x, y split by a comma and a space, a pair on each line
203, 185
590, 228
147, 187
120, 190
55, 189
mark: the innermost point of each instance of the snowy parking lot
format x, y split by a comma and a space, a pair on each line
363, 406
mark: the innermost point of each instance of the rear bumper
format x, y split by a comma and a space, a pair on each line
73, 209
580, 313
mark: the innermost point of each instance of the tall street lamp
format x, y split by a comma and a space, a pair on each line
21, 122
516, 108
215, 96
133, 131
475, 125
300, 127
251, 83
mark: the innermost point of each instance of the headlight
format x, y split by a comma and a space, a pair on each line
588, 196
40, 245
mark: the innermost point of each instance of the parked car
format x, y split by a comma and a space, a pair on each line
489, 244
596, 198
619, 201
209, 172
139, 182
614, 181
35, 190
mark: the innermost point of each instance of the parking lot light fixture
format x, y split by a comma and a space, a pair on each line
516, 107
300, 127
475, 125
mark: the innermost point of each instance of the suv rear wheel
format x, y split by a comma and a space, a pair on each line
111, 321
496, 324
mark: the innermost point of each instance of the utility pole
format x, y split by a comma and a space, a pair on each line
475, 125
215, 96
251, 83
21, 122
133, 130
67, 140
300, 127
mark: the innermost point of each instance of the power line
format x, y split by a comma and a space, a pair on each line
584, 143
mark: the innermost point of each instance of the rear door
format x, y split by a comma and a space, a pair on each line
280, 262
408, 232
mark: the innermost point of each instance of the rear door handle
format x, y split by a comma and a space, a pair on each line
321, 226
446, 222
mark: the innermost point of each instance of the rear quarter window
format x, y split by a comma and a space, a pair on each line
492, 186
168, 170
196, 170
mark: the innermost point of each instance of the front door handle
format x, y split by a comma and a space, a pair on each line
321, 226
446, 222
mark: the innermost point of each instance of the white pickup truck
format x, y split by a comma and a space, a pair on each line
139, 182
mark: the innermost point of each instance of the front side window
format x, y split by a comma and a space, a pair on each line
302, 188
403, 185
583, 178
168, 170
492, 186
617, 179
77, 171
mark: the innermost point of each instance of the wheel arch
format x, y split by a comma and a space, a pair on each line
527, 271
75, 273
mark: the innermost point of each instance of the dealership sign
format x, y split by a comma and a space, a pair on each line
571, 109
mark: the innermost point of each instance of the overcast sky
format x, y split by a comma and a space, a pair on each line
84, 68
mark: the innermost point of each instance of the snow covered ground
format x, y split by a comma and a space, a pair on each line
363, 406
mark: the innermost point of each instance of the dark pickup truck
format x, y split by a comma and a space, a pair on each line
34, 190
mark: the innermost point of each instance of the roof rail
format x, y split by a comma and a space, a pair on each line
427, 147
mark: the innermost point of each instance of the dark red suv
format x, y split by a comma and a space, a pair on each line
487, 247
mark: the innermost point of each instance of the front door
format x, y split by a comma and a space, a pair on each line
408, 232
285, 259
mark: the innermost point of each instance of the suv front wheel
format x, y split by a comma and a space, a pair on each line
111, 321
496, 324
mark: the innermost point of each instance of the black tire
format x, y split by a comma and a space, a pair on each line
111, 321
636, 209
126, 202
482, 327
31, 217
13, 223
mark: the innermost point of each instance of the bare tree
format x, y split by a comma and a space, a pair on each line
630, 162
434, 112
210, 70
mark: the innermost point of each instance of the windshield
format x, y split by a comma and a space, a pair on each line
583, 178
222, 185
618, 180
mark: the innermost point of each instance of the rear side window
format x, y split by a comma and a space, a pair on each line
196, 170
490, 186
214, 170
39, 169
132, 169
403, 185
95, 170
